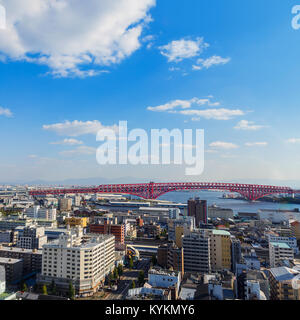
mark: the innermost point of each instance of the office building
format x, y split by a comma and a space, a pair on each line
198, 208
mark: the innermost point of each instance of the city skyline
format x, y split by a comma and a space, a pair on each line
207, 65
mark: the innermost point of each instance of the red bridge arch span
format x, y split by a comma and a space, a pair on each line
153, 190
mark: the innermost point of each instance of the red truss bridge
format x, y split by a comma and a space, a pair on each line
153, 190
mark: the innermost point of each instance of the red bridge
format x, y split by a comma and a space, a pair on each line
154, 190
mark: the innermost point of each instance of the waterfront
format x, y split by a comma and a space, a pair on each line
235, 205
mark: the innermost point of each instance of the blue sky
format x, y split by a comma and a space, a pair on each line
104, 64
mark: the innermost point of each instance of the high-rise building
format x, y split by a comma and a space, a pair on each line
220, 251
196, 253
83, 261
198, 208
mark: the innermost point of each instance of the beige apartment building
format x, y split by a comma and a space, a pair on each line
83, 261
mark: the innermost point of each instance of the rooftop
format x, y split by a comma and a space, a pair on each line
283, 273
221, 233
281, 245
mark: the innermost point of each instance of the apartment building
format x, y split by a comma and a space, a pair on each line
13, 269
118, 230
84, 261
279, 251
32, 237
196, 253
220, 249
36, 212
12, 223
284, 284
32, 259
8, 236
65, 204
291, 241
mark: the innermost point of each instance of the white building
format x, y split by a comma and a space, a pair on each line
36, 212
291, 241
32, 237
164, 278
216, 212
279, 251
278, 216
84, 261
253, 291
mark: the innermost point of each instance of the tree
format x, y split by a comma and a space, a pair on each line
71, 291
110, 279
141, 277
130, 263
116, 274
120, 269
45, 291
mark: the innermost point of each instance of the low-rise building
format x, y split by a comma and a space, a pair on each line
164, 278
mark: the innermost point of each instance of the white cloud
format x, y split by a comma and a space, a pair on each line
5, 112
77, 128
183, 104
82, 150
71, 37
212, 61
248, 125
293, 140
184, 107
178, 50
68, 142
223, 145
217, 114
256, 144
